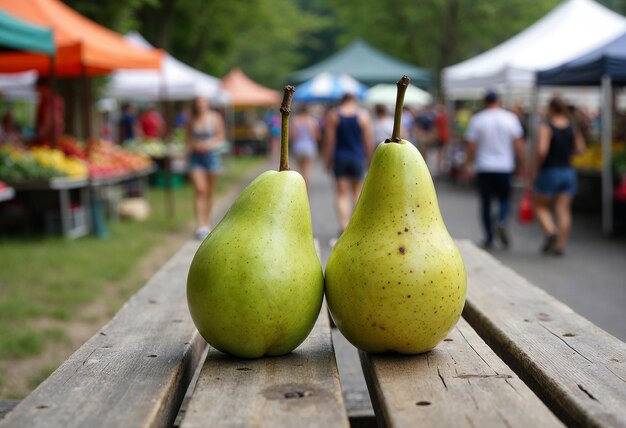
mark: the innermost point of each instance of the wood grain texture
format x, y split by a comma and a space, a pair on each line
298, 389
578, 369
461, 383
134, 372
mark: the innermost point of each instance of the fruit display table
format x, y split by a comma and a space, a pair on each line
141, 176
74, 220
517, 358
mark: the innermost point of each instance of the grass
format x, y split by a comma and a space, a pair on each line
41, 375
52, 278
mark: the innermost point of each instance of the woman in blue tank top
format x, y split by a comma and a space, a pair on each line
204, 138
555, 182
348, 149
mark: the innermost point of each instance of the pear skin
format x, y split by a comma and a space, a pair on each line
255, 285
395, 280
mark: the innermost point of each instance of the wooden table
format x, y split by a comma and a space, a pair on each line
518, 358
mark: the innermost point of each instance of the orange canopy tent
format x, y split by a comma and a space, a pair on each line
246, 93
82, 46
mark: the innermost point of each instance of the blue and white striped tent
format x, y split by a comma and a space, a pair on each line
329, 87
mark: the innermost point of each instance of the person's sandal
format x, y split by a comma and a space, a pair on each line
557, 252
548, 245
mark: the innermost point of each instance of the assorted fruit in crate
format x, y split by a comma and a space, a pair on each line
54, 158
107, 159
592, 158
18, 166
72, 147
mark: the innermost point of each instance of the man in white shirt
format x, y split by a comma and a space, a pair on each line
494, 137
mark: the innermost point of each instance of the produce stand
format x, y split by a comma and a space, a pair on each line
73, 224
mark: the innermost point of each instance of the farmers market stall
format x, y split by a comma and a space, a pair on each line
175, 81
604, 66
248, 100
60, 184
568, 31
83, 49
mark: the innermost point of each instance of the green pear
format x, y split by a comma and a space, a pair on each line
395, 280
255, 285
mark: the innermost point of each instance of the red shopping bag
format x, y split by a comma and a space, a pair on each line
525, 210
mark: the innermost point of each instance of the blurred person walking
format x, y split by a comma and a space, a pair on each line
494, 138
128, 123
152, 123
204, 138
305, 135
348, 147
382, 124
425, 130
442, 139
553, 178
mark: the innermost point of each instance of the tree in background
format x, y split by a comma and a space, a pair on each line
436, 33
269, 39
264, 37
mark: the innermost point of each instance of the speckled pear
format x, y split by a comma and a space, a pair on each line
395, 280
255, 286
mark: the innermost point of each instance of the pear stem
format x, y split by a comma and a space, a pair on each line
402, 84
285, 110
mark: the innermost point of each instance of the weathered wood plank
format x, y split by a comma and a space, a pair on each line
461, 383
134, 372
578, 369
6, 406
298, 389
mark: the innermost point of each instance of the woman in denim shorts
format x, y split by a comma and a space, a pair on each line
204, 138
555, 182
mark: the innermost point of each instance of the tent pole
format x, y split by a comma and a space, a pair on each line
53, 112
86, 98
170, 207
607, 179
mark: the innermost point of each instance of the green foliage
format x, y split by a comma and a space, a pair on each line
269, 39
436, 33
115, 14
264, 37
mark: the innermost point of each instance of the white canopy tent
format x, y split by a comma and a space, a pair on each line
385, 93
568, 31
175, 81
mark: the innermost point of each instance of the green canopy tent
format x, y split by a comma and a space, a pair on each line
367, 65
19, 35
